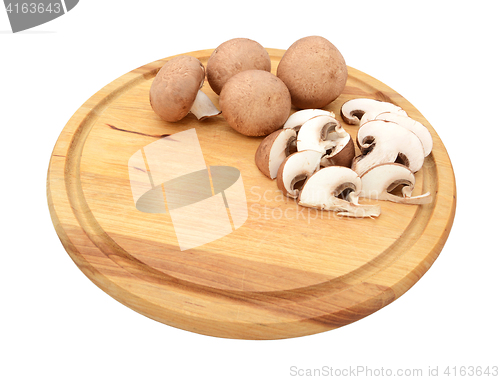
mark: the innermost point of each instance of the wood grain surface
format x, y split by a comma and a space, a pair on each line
287, 271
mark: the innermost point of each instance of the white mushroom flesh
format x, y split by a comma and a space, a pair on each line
387, 142
336, 188
280, 150
405, 121
296, 169
379, 181
297, 119
353, 110
313, 135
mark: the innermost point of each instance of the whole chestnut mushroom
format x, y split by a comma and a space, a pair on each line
232, 57
314, 71
176, 90
255, 102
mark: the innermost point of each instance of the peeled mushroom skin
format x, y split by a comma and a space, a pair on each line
273, 150
353, 110
297, 119
203, 107
387, 142
405, 121
379, 181
295, 170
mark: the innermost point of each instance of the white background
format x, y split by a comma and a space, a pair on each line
442, 56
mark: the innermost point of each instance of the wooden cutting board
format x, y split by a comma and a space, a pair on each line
279, 270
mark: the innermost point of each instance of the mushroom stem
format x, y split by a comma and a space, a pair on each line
360, 211
407, 198
356, 209
203, 107
346, 207
326, 189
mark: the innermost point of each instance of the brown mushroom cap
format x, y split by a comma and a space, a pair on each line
232, 57
255, 102
273, 149
175, 87
314, 71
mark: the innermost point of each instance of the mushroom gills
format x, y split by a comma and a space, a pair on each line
327, 188
342, 152
295, 170
353, 110
313, 135
382, 182
344, 191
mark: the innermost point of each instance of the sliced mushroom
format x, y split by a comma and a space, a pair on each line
273, 150
342, 152
176, 90
405, 121
336, 188
314, 132
295, 170
353, 110
324, 134
386, 142
379, 181
298, 118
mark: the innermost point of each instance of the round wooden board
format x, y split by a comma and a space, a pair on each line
284, 271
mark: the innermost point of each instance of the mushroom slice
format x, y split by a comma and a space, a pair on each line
295, 170
379, 181
353, 110
405, 121
313, 135
324, 134
385, 141
336, 188
273, 149
298, 118
342, 152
